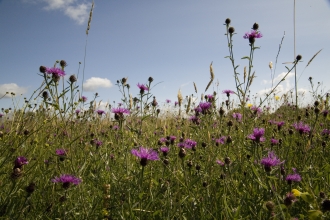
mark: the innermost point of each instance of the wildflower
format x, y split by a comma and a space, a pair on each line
256, 110
249, 105
61, 153
188, 143
277, 98
83, 98
20, 161
274, 141
289, 199
145, 155
176, 103
280, 124
100, 112
168, 101
77, 111
210, 97
220, 163
97, 143
302, 128
220, 140
165, 150
115, 127
270, 161
228, 92
56, 72
296, 192
237, 116
293, 177
67, 179
142, 88
119, 113
258, 135
252, 35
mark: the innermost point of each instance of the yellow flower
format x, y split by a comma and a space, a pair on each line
296, 192
249, 105
277, 98
105, 212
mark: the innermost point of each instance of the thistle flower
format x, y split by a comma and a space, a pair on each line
270, 161
188, 143
252, 35
293, 177
258, 135
20, 161
220, 140
142, 88
119, 113
61, 152
302, 128
145, 155
168, 101
220, 163
56, 72
67, 180
83, 98
165, 150
100, 112
237, 116
228, 92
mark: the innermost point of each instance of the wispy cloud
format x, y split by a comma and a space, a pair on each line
95, 83
74, 9
6, 89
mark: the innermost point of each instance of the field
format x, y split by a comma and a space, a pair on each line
65, 158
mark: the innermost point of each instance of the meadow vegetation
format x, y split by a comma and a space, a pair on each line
65, 158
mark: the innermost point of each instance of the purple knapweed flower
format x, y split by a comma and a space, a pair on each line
120, 111
293, 177
256, 110
61, 152
194, 119
83, 98
168, 101
210, 97
280, 124
270, 161
190, 143
67, 180
176, 103
55, 71
302, 128
237, 116
220, 140
228, 92
142, 88
252, 35
274, 141
97, 143
100, 112
145, 155
325, 113
203, 107
77, 111
220, 163
115, 127
258, 135
20, 161
165, 150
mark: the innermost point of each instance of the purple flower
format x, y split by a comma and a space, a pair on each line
210, 97
220, 163
302, 128
274, 141
256, 110
1, 115
100, 112
115, 127
325, 113
237, 116
220, 140
168, 101
97, 143
67, 179
61, 152
188, 143
120, 111
293, 177
142, 87
55, 71
203, 107
252, 35
83, 98
270, 161
258, 135
20, 161
280, 124
145, 155
165, 150
228, 92
176, 103
77, 111
194, 119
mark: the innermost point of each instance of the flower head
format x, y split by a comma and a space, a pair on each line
168, 101
145, 155
142, 88
220, 163
120, 111
100, 112
296, 192
270, 161
220, 140
258, 135
228, 92
20, 161
83, 98
237, 116
67, 179
188, 143
61, 152
55, 71
252, 35
302, 128
293, 177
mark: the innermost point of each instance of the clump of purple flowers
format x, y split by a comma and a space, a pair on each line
145, 155
20, 161
188, 143
194, 119
295, 177
256, 110
203, 107
270, 161
67, 180
302, 128
237, 116
258, 135
221, 140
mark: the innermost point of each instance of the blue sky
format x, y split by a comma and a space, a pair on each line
172, 41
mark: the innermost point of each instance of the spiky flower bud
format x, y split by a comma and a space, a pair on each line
42, 69
255, 26
231, 30
72, 78
298, 57
227, 21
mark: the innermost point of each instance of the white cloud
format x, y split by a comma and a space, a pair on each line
78, 12
11, 87
95, 82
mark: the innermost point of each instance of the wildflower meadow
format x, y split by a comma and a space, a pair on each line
191, 158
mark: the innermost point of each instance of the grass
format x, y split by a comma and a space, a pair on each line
215, 168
